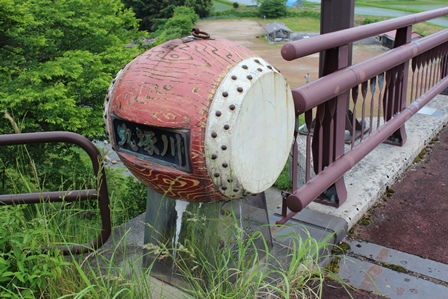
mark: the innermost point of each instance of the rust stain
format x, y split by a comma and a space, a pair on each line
383, 254
369, 277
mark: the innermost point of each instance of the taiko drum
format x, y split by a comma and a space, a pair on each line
203, 121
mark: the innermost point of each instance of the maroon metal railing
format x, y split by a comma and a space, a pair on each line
100, 193
352, 109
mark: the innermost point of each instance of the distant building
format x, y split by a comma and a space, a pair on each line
294, 3
387, 39
277, 32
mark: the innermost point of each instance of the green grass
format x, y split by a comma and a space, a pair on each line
284, 181
395, 3
404, 5
304, 24
244, 271
222, 5
247, 269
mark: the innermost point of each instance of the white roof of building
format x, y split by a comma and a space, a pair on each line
276, 26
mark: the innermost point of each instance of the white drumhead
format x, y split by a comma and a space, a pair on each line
249, 129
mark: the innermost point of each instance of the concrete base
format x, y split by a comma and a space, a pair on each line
176, 230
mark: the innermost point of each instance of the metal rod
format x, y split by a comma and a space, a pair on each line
296, 49
56, 196
312, 94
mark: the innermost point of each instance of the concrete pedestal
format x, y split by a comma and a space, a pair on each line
176, 231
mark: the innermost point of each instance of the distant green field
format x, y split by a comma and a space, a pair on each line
404, 5
300, 24
401, 2
222, 5
305, 23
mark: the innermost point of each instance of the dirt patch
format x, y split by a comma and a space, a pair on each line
244, 32
250, 33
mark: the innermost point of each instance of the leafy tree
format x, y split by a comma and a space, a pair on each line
179, 25
57, 59
273, 8
201, 7
151, 11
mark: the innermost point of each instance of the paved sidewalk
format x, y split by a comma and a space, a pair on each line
406, 253
399, 246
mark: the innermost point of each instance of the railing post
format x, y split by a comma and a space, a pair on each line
394, 99
329, 130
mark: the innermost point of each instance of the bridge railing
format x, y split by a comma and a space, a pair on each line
352, 109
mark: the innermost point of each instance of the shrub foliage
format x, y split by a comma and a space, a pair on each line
273, 9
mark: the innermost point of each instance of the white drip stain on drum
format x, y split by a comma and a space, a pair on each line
180, 208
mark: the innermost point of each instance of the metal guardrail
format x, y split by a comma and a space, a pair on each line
371, 100
99, 194
301, 48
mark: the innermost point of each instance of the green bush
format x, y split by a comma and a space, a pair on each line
179, 25
127, 196
235, 5
186, 11
273, 9
371, 20
284, 181
304, 13
25, 269
237, 13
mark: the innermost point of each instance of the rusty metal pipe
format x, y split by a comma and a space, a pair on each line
312, 94
296, 49
101, 194
56, 136
322, 181
56, 196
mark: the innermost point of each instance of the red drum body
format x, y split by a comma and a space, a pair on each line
201, 121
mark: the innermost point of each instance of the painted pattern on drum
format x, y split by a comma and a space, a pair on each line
172, 86
172, 183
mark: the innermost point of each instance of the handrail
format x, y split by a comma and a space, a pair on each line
335, 105
69, 196
299, 199
309, 96
300, 48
